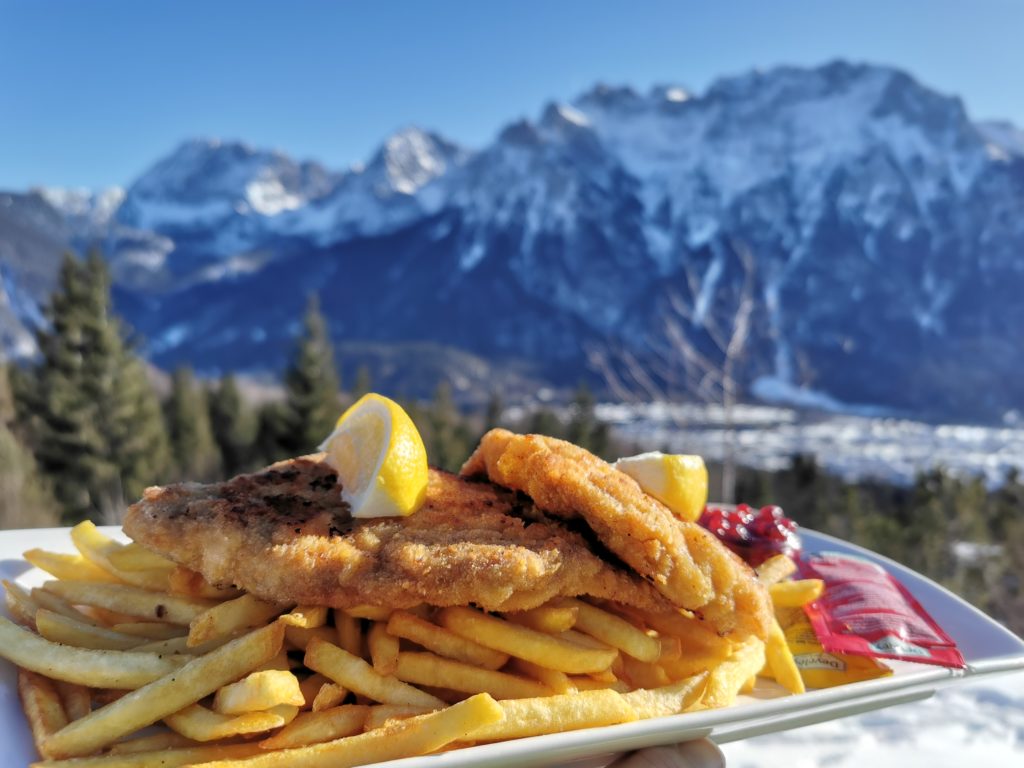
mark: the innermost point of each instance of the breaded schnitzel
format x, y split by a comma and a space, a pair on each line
284, 535
684, 562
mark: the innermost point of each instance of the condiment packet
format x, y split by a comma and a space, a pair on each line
865, 611
818, 667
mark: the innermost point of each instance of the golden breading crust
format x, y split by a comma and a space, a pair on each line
284, 534
686, 563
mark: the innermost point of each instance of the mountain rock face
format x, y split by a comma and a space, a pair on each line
868, 232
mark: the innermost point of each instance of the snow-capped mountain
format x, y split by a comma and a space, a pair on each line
863, 226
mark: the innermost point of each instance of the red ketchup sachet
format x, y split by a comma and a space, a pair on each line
865, 611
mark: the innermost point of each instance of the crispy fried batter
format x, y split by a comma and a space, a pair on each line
685, 562
284, 534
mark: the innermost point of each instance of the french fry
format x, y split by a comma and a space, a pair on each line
641, 674
43, 708
355, 674
444, 642
693, 662
280, 662
134, 557
667, 700
64, 566
383, 648
258, 691
299, 637
775, 569
180, 645
416, 736
555, 714
98, 548
727, 678
61, 629
20, 604
526, 643
162, 758
428, 669
780, 660
671, 648
329, 696
150, 743
607, 676
349, 631
77, 699
150, 630
614, 631
546, 618
51, 602
224, 619
795, 594
184, 581
318, 727
587, 683
381, 714
310, 687
692, 633
558, 682
198, 723
129, 600
372, 612
97, 669
167, 695
305, 616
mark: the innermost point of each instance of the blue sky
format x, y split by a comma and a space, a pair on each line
91, 93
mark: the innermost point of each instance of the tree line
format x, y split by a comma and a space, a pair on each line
84, 430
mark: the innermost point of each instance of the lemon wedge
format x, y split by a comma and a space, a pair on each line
677, 481
380, 459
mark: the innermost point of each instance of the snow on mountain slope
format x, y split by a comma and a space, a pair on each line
1005, 140
883, 229
402, 183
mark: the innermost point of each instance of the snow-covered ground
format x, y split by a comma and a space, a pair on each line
965, 725
853, 446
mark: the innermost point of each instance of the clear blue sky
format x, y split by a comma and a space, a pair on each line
93, 92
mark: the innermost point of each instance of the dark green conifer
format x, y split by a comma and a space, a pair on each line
87, 408
25, 500
363, 382
196, 456
234, 426
311, 387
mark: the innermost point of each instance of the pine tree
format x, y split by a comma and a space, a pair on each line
234, 427
271, 431
494, 411
87, 408
363, 383
311, 387
544, 421
585, 429
196, 456
25, 501
449, 435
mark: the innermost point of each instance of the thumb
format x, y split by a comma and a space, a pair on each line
701, 753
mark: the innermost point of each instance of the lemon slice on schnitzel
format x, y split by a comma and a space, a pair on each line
679, 482
380, 459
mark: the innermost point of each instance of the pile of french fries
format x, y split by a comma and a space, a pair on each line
123, 639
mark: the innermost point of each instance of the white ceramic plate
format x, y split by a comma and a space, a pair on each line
987, 647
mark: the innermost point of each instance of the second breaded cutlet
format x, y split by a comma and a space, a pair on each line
684, 562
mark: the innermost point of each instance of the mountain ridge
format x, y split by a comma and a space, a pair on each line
883, 224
